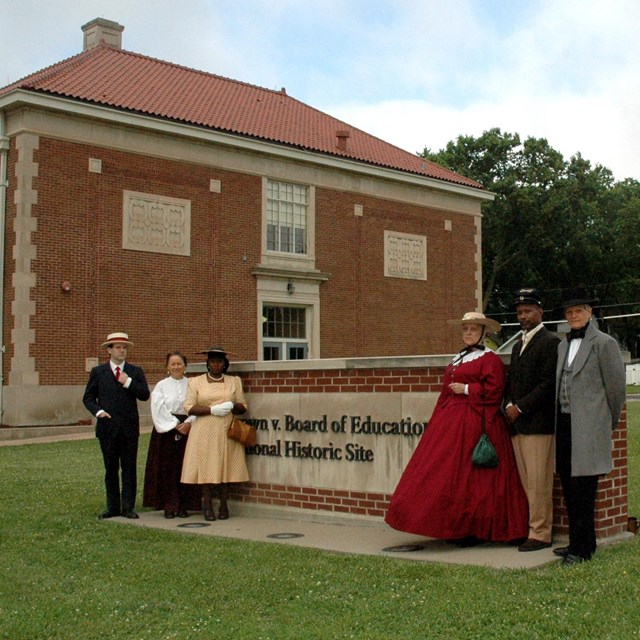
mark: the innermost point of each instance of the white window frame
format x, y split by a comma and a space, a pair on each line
289, 259
273, 291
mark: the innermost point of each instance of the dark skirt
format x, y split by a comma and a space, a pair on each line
162, 487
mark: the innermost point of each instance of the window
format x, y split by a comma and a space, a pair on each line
287, 206
284, 333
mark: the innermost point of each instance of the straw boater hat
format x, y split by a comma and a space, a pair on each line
117, 337
475, 317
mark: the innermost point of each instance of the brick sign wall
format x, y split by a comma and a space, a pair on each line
337, 440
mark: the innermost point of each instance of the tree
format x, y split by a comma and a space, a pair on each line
516, 224
553, 224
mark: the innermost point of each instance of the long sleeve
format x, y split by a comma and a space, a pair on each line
167, 399
490, 388
163, 420
90, 397
545, 367
614, 378
139, 386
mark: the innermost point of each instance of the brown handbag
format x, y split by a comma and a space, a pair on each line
242, 432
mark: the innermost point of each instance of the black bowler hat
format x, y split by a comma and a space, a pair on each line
527, 295
577, 296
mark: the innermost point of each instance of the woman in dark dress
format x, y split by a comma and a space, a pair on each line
441, 494
162, 487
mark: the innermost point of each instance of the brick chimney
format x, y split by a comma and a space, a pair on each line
102, 31
343, 136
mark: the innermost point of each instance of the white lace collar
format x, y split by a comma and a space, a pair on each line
470, 357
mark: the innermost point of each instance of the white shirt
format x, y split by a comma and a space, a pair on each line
527, 335
167, 398
574, 345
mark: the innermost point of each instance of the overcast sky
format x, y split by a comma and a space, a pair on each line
416, 73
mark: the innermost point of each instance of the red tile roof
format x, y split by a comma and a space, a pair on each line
120, 79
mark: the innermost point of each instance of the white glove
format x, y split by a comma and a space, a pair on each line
222, 409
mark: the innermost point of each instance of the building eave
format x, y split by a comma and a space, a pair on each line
21, 98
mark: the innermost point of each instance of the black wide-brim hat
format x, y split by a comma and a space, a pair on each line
577, 296
218, 352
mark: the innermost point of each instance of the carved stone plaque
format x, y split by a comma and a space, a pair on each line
405, 255
156, 223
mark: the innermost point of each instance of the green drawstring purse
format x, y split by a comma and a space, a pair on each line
484, 453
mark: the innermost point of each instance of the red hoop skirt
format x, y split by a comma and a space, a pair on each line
441, 494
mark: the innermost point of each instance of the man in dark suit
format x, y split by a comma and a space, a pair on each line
531, 414
112, 395
591, 392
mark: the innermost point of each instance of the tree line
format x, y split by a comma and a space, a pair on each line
554, 224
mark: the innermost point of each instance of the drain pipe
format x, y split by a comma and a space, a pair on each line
4, 153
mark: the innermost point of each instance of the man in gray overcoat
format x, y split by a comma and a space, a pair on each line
591, 390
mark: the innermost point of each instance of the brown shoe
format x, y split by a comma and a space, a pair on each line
531, 544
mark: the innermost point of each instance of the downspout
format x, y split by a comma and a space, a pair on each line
4, 153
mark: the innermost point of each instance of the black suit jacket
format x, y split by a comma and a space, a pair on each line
532, 377
103, 391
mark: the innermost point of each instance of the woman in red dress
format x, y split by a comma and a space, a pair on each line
441, 494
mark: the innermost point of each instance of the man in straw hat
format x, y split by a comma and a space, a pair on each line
590, 390
530, 411
112, 395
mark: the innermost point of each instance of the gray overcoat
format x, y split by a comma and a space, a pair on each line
598, 394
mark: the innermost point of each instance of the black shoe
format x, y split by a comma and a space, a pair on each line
182, 513
562, 552
169, 514
108, 514
533, 545
571, 559
209, 515
131, 514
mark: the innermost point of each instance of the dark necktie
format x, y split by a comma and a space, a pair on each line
574, 334
117, 373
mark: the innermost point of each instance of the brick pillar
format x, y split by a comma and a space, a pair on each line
612, 500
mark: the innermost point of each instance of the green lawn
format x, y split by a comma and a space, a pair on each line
65, 575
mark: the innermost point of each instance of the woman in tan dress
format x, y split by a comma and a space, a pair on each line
211, 458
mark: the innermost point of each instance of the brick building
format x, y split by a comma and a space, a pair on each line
189, 209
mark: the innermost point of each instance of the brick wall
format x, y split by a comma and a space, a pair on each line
611, 506
370, 315
191, 302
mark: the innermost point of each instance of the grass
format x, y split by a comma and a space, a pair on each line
65, 575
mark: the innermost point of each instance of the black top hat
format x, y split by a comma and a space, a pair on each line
577, 296
527, 295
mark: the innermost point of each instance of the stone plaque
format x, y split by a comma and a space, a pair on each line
405, 255
156, 223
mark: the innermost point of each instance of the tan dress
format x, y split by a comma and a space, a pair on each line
210, 456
